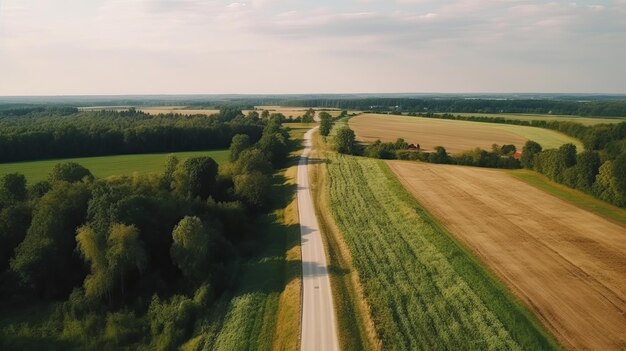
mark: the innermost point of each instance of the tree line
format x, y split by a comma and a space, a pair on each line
440, 105
594, 172
47, 133
134, 260
500, 156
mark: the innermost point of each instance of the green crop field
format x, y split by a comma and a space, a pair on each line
565, 118
105, 166
424, 289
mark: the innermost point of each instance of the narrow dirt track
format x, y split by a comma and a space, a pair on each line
567, 264
319, 332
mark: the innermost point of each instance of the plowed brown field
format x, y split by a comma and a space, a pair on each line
567, 264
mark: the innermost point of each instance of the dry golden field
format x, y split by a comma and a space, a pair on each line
179, 110
567, 264
455, 136
545, 117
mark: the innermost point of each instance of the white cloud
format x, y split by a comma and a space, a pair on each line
203, 44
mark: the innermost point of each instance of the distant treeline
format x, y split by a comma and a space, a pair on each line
458, 105
60, 132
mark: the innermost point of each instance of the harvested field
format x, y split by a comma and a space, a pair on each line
455, 136
179, 110
567, 264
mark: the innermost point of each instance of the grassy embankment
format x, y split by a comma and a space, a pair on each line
105, 166
424, 289
578, 198
264, 311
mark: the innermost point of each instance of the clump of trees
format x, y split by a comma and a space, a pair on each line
594, 172
326, 123
345, 141
137, 259
308, 116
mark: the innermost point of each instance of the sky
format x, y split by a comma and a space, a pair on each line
101, 47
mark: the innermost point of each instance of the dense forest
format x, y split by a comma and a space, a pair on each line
470, 105
60, 132
132, 261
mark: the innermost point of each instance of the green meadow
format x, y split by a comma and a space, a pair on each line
105, 166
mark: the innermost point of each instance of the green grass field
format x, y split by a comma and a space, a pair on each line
105, 166
573, 196
566, 118
424, 289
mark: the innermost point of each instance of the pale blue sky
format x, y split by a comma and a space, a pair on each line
297, 46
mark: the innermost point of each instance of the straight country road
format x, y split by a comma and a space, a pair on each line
319, 332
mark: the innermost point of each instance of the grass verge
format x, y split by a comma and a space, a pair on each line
425, 290
570, 195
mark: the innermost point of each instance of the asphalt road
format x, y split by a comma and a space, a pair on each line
319, 330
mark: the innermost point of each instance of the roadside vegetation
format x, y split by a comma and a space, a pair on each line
196, 256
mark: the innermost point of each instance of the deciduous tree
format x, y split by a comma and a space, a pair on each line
191, 248
345, 141
239, 143
529, 151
